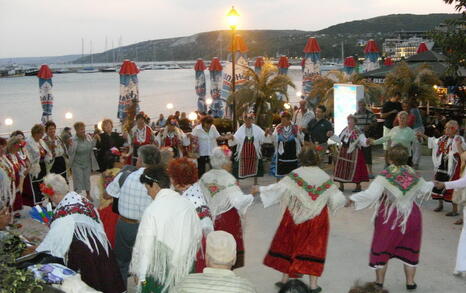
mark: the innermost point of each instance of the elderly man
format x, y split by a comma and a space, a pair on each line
446, 151
366, 120
132, 201
303, 115
217, 276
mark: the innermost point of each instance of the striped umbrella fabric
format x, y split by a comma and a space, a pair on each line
258, 64
371, 52
200, 87
349, 65
215, 70
45, 88
311, 64
388, 61
129, 87
283, 66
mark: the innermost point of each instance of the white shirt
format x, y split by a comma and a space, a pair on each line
207, 141
133, 196
302, 119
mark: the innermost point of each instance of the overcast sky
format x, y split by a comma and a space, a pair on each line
55, 27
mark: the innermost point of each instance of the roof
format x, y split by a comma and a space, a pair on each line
427, 56
438, 67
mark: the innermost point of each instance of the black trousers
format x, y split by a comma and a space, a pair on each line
201, 163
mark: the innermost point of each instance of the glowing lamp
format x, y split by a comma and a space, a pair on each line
208, 101
69, 115
169, 106
299, 94
233, 18
192, 116
8, 121
287, 106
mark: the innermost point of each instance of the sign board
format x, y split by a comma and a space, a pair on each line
346, 97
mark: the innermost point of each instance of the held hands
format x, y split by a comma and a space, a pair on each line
439, 185
349, 203
255, 190
329, 133
369, 141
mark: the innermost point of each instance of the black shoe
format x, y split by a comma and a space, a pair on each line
411, 287
380, 285
356, 190
280, 284
316, 290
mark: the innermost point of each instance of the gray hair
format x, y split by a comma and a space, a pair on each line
402, 113
221, 248
57, 183
218, 158
453, 123
149, 154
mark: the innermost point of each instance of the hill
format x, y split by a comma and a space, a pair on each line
39, 60
272, 43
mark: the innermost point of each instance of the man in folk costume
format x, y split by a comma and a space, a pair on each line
172, 136
300, 243
248, 158
397, 216
446, 152
351, 166
168, 237
140, 135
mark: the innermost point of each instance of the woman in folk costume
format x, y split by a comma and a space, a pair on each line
57, 149
287, 141
446, 152
183, 176
39, 155
300, 243
248, 158
140, 135
168, 236
225, 199
77, 235
172, 136
13, 147
351, 165
8, 177
397, 217
459, 197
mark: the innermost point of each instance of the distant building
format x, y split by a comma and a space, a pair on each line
404, 44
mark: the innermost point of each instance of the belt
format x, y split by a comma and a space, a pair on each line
129, 221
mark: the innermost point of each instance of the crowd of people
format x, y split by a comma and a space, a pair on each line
170, 208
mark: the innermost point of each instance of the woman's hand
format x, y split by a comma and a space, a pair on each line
439, 185
349, 203
255, 190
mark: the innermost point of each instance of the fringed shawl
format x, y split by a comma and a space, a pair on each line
74, 217
167, 241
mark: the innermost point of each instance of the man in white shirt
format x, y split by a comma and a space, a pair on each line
303, 115
132, 201
217, 276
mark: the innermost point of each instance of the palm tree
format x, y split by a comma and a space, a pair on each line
409, 82
322, 88
262, 92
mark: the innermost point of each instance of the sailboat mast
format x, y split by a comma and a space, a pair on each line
342, 53
82, 49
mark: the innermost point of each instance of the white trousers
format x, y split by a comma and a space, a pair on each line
461, 254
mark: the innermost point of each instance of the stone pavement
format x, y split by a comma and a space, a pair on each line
349, 244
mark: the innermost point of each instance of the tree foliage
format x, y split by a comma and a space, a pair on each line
412, 83
262, 93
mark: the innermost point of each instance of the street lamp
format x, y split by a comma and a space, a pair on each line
169, 106
233, 17
208, 101
8, 121
68, 115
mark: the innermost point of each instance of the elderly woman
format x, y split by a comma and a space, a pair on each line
82, 159
183, 175
57, 148
168, 236
300, 243
225, 199
398, 218
8, 176
351, 165
287, 140
140, 135
77, 235
39, 154
13, 147
401, 134
207, 137
105, 142
172, 136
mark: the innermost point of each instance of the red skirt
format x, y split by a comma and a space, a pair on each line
109, 220
231, 222
299, 249
248, 160
390, 243
351, 168
200, 257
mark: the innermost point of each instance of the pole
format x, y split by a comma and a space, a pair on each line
233, 76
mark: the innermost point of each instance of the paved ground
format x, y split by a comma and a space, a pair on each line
349, 243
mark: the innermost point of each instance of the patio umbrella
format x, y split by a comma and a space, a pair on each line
371, 52
349, 65
129, 89
283, 65
241, 66
199, 67
258, 64
45, 89
311, 68
422, 48
215, 70
388, 62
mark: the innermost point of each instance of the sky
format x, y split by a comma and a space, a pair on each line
30, 28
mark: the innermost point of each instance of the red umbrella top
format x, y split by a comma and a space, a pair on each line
371, 47
200, 66
215, 65
44, 72
303, 62
283, 62
388, 61
238, 44
259, 62
349, 62
422, 48
312, 46
129, 68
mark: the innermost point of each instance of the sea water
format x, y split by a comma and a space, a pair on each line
90, 97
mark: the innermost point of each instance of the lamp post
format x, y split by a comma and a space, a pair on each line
233, 23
